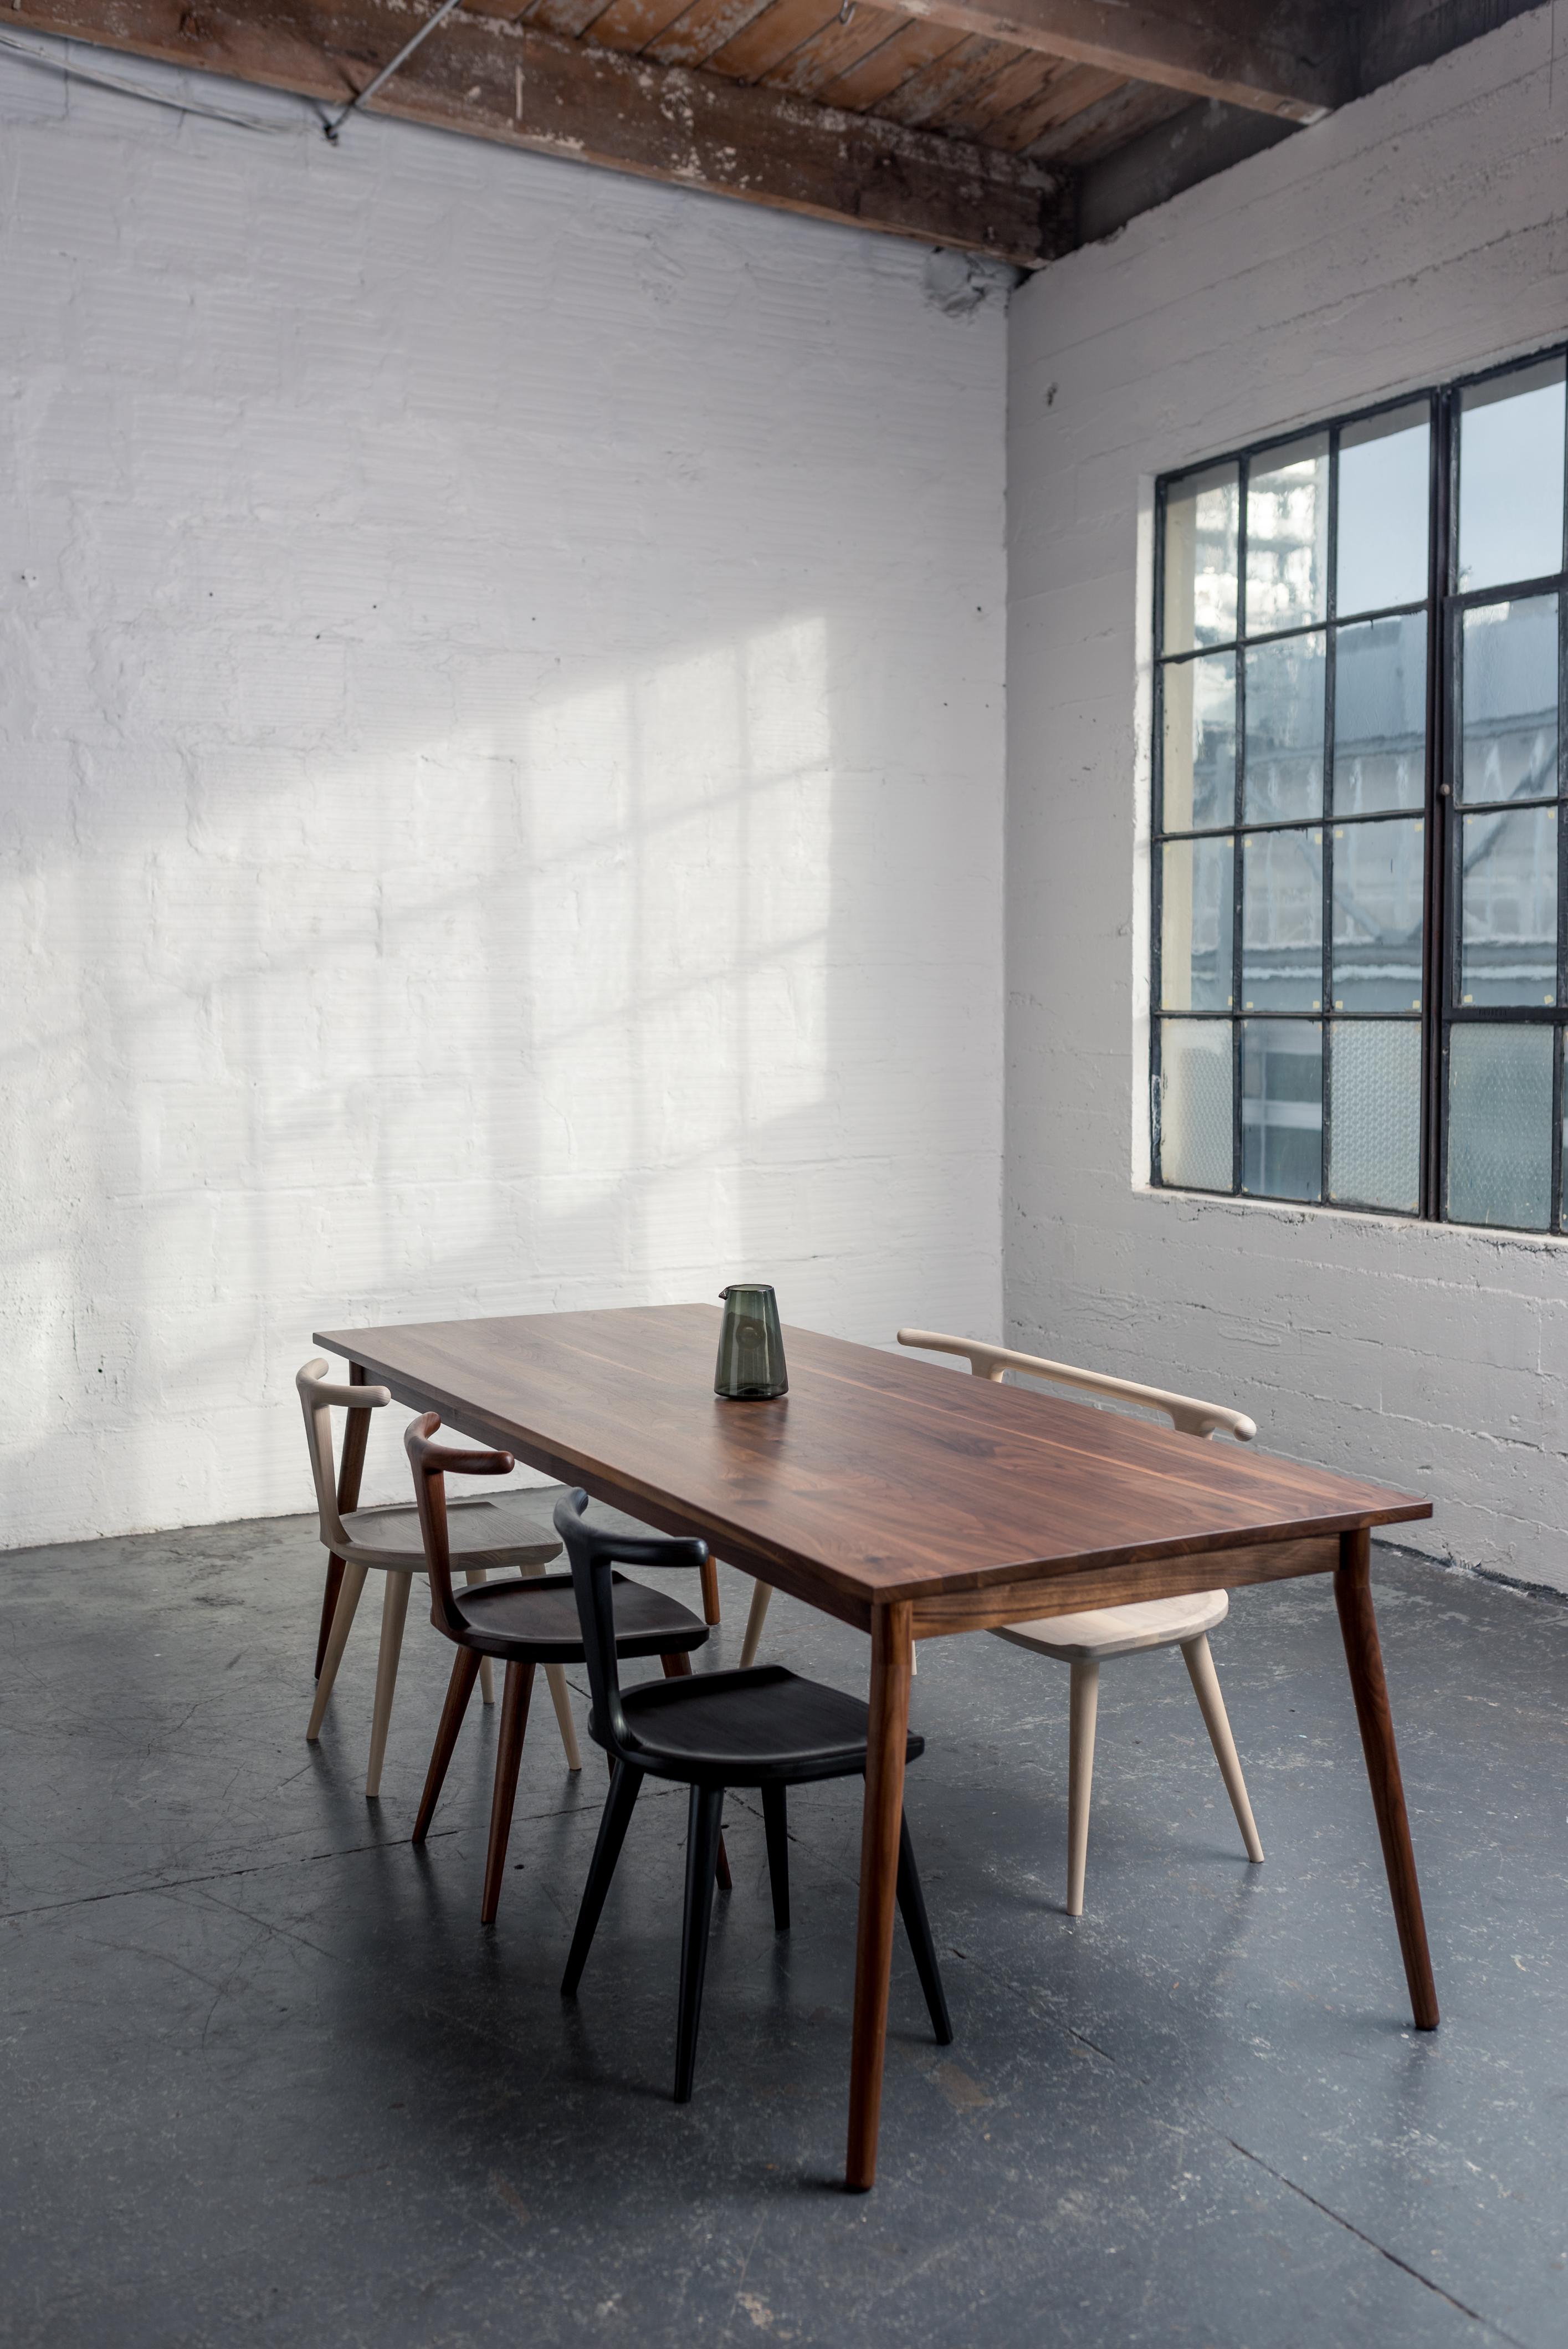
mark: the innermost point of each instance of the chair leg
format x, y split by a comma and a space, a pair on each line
1205, 1682
329, 1607
394, 1614
678, 1668
704, 1815
473, 1575
337, 1639
917, 1925
626, 1783
514, 1699
459, 1687
775, 1820
761, 1592
559, 1697
709, 1572
1084, 1705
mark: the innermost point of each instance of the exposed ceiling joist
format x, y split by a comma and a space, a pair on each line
1285, 61
530, 88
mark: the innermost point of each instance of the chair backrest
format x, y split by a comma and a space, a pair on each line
318, 1394
592, 1552
1184, 1411
430, 1462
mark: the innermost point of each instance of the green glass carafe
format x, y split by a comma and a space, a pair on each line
750, 1367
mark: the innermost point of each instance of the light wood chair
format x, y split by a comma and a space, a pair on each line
1085, 1641
484, 1534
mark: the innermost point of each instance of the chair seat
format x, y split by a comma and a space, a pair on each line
536, 1622
1105, 1631
748, 1728
482, 1533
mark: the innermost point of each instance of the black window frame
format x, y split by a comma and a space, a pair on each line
1444, 605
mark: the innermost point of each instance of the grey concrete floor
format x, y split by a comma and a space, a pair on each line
266, 2077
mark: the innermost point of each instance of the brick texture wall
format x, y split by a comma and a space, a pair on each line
500, 768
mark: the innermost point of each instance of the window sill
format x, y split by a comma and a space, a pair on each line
1301, 1211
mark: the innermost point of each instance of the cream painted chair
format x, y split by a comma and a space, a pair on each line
1086, 1642
484, 1534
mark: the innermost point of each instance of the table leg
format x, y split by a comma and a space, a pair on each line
709, 1572
1359, 1627
883, 1818
350, 1469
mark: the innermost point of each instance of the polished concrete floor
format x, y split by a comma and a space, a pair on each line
265, 2078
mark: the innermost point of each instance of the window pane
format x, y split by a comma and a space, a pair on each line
1511, 478
1507, 907
1380, 876
1375, 1137
1287, 537
1201, 516
1380, 715
1195, 1104
1282, 925
1384, 496
1500, 1126
1198, 776
1197, 891
1282, 1108
1283, 766
1510, 700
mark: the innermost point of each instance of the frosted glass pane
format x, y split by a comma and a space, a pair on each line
1510, 700
1198, 776
1195, 1104
1384, 497
1287, 537
1511, 478
1197, 892
1282, 921
1507, 907
1375, 1138
1379, 882
1282, 1108
1500, 1126
1201, 517
1283, 766
1380, 715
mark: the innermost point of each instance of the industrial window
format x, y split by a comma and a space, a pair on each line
1360, 954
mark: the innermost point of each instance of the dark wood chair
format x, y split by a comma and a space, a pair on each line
764, 1727
523, 1625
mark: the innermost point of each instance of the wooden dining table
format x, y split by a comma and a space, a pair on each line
913, 1501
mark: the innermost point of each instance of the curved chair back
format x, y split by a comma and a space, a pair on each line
592, 1552
319, 1395
430, 1462
1184, 1411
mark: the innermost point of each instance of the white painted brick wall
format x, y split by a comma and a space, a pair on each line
502, 773
1417, 233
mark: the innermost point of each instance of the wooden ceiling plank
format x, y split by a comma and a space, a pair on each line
702, 27
771, 37
1224, 49
892, 61
834, 50
927, 96
525, 87
1120, 114
1071, 91
630, 25
1023, 78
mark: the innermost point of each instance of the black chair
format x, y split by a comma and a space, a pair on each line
763, 1727
524, 1623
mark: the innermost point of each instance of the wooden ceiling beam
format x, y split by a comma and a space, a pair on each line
1288, 60
509, 82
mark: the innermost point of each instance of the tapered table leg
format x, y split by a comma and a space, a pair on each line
350, 1469
709, 1572
886, 1737
1358, 1626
